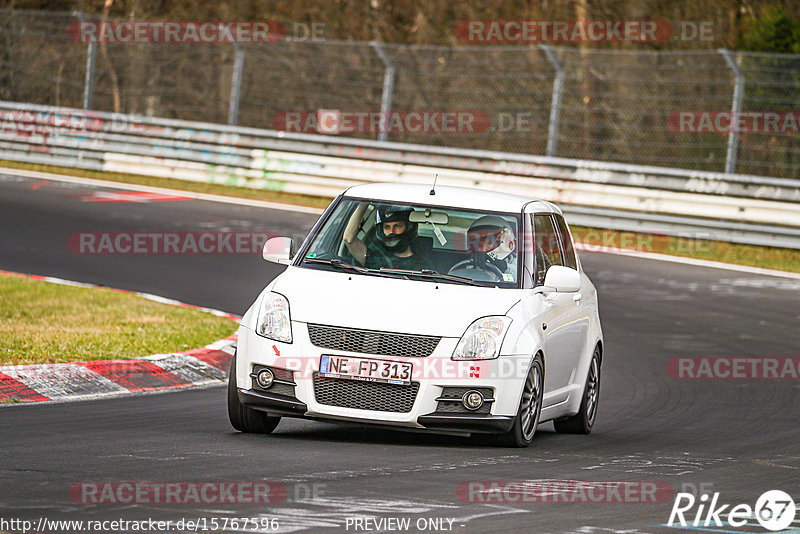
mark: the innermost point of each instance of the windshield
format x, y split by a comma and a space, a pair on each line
421, 242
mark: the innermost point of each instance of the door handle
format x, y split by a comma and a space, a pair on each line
578, 298
544, 326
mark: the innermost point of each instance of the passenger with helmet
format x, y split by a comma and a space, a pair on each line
390, 243
492, 243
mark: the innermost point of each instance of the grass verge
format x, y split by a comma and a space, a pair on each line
42, 322
754, 256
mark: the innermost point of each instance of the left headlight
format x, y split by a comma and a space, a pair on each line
483, 339
273, 320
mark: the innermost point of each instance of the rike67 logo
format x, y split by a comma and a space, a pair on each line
774, 511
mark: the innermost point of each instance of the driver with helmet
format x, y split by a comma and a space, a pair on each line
492, 242
392, 245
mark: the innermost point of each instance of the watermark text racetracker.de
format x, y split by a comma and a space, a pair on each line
56, 121
422, 121
168, 242
307, 367
733, 368
723, 122
552, 491
194, 32
193, 492
582, 31
206, 242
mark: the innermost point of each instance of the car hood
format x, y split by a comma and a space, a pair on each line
388, 304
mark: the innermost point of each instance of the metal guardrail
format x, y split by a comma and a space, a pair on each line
699, 204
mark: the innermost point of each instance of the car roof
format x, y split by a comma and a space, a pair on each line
448, 196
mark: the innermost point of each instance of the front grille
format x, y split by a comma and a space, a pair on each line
277, 388
365, 395
457, 407
372, 342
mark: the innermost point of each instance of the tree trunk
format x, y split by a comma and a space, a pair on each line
104, 50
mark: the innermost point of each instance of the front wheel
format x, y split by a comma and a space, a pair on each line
582, 422
246, 419
530, 408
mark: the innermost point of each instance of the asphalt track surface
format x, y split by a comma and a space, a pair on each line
736, 437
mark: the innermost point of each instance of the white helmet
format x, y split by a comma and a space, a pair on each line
492, 235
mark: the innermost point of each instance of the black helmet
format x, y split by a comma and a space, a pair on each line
395, 242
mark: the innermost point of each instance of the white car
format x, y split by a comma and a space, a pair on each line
450, 310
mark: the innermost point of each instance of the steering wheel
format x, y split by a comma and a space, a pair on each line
487, 272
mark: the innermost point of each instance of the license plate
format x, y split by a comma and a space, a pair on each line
365, 369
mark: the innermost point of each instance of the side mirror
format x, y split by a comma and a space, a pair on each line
562, 279
279, 250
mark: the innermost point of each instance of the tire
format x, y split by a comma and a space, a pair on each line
530, 408
246, 419
583, 421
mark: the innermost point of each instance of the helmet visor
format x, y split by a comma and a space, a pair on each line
484, 238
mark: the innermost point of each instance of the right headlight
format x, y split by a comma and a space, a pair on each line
483, 339
273, 319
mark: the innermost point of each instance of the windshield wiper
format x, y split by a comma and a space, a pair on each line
430, 273
344, 265
340, 264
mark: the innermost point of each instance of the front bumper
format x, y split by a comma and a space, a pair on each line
425, 414
272, 404
488, 424
280, 405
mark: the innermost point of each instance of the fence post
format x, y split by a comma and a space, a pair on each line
388, 88
736, 107
236, 84
91, 58
555, 103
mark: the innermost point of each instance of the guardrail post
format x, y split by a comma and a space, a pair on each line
736, 108
236, 84
91, 58
388, 88
555, 103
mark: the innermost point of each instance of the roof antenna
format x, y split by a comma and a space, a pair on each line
433, 189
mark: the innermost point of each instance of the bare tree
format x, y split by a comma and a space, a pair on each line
104, 50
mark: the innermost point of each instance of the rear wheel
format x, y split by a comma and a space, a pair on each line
530, 408
582, 422
246, 419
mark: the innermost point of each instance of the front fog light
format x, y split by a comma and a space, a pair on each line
472, 400
264, 378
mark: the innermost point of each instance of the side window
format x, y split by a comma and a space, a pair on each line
566, 243
547, 251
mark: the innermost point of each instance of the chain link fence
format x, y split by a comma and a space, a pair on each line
644, 107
